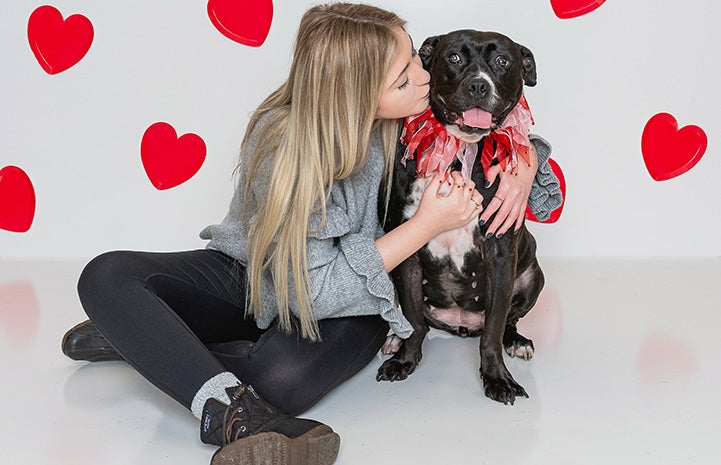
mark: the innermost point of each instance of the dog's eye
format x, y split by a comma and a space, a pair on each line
502, 61
454, 58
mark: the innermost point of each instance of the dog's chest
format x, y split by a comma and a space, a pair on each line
454, 244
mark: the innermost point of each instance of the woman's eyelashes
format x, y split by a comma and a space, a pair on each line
414, 54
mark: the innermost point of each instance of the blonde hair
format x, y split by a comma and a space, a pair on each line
319, 133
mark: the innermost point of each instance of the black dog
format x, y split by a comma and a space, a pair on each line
463, 282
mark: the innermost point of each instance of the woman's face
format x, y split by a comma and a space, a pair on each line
406, 88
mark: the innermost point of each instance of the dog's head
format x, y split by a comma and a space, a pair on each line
477, 78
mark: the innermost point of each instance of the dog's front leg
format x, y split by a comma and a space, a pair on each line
498, 384
407, 278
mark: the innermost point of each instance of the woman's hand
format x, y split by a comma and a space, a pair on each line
436, 213
441, 212
511, 197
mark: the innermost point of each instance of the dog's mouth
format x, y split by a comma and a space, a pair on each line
476, 120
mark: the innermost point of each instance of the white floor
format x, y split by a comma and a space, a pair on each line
627, 371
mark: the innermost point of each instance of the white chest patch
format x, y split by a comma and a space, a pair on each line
454, 243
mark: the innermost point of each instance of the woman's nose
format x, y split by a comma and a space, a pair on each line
423, 76
426, 76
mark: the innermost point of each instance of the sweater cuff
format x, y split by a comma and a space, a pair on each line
546, 195
365, 260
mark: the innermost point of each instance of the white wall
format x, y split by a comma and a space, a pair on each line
601, 77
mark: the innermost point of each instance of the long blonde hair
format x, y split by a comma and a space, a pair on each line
319, 133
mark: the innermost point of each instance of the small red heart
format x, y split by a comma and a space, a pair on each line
668, 151
555, 214
58, 44
244, 21
566, 9
167, 159
17, 200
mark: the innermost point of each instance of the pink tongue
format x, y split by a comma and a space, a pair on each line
477, 118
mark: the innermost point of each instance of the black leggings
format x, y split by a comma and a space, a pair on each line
179, 319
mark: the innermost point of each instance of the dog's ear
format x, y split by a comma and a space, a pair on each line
529, 66
426, 50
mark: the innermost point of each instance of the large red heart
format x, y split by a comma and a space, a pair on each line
244, 21
58, 44
17, 200
555, 214
668, 151
167, 159
566, 9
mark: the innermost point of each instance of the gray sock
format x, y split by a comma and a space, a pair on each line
214, 387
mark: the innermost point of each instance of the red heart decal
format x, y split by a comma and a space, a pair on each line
555, 214
58, 44
566, 9
668, 151
169, 160
17, 200
244, 21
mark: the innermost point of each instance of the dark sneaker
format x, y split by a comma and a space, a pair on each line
250, 431
85, 342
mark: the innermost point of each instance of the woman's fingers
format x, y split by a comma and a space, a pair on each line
519, 220
469, 200
493, 172
492, 207
496, 226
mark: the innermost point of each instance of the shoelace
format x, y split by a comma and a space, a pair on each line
230, 418
230, 435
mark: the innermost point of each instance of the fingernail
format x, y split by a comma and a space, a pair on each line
499, 236
486, 183
489, 235
515, 233
481, 223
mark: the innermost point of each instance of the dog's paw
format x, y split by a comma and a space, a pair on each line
395, 370
392, 344
520, 349
503, 389
517, 345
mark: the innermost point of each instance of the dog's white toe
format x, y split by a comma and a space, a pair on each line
392, 344
522, 351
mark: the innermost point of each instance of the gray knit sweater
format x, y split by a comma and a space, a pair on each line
347, 275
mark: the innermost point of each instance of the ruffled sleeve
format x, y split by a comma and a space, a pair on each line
347, 274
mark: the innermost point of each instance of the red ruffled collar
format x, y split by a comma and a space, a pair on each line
424, 135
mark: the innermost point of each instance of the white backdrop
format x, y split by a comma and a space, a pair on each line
601, 77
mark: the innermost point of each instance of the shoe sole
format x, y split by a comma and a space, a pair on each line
92, 356
318, 446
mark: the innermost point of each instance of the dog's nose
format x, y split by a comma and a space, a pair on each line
478, 87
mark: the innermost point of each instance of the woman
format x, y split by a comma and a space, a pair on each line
312, 160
